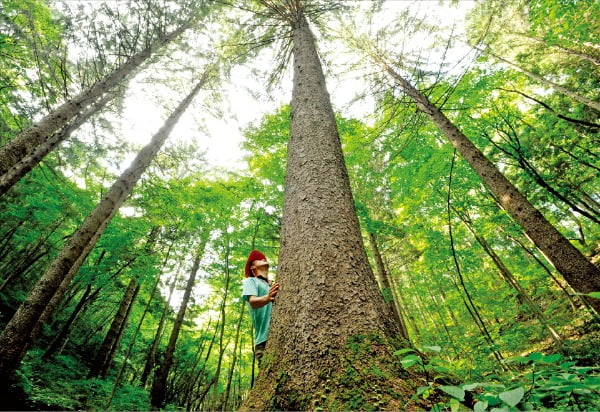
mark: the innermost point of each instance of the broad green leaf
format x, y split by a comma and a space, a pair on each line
435, 348
410, 360
470, 386
454, 391
421, 390
480, 406
513, 397
403, 351
536, 356
552, 358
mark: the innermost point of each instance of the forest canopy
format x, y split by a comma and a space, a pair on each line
147, 146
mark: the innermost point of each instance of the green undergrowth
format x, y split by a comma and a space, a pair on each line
62, 385
534, 382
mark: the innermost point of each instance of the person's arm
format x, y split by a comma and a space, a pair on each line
258, 302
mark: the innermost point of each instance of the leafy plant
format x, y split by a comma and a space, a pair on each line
544, 382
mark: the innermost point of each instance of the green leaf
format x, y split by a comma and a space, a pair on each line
470, 386
403, 351
480, 406
513, 397
536, 356
410, 360
454, 391
595, 295
421, 390
454, 405
435, 348
552, 358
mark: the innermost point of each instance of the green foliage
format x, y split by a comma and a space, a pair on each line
538, 382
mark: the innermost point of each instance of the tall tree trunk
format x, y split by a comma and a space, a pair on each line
581, 274
215, 380
26, 163
151, 357
15, 336
117, 341
132, 344
60, 337
196, 379
159, 386
329, 317
386, 287
234, 360
99, 365
567, 92
509, 278
26, 142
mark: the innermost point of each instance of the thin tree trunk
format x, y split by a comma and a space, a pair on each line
117, 341
567, 92
102, 357
159, 386
593, 59
15, 336
26, 142
27, 261
151, 357
386, 287
234, 360
60, 337
132, 344
557, 282
578, 271
222, 347
189, 400
401, 300
510, 279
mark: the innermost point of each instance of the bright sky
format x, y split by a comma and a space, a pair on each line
216, 125
221, 135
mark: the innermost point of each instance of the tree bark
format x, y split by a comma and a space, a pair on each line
25, 164
15, 336
386, 287
159, 386
578, 271
330, 325
26, 142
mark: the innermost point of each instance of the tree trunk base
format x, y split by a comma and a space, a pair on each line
363, 375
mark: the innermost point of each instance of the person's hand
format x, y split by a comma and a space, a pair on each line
273, 291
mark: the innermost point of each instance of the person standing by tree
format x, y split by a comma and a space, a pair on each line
260, 293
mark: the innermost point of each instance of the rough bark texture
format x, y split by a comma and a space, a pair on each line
581, 274
331, 331
16, 336
26, 142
